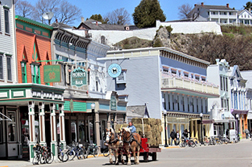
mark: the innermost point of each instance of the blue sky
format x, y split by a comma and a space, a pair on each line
170, 7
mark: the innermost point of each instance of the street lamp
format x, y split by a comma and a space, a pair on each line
166, 145
201, 116
237, 117
93, 115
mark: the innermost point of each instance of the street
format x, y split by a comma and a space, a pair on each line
231, 155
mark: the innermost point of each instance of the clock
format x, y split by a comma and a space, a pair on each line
114, 70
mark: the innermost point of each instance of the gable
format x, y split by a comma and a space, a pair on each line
245, 14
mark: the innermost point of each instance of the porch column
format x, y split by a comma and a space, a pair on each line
115, 121
108, 120
196, 127
97, 128
32, 138
42, 123
53, 129
62, 125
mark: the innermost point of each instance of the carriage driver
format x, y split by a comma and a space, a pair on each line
132, 127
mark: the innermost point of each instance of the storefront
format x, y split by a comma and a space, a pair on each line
241, 121
32, 110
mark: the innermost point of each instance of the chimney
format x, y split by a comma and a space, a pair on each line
195, 5
202, 3
56, 20
227, 5
82, 19
97, 23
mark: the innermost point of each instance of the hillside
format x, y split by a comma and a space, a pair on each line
234, 45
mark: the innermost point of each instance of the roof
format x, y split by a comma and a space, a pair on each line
96, 25
244, 10
137, 111
29, 21
215, 7
60, 25
247, 75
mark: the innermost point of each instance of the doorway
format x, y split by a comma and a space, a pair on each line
47, 129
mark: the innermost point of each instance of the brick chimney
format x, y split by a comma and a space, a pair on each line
82, 19
97, 23
227, 5
56, 20
195, 4
202, 3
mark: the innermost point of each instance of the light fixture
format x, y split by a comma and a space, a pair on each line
201, 115
92, 106
237, 115
165, 112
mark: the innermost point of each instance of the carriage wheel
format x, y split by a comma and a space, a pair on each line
154, 156
146, 157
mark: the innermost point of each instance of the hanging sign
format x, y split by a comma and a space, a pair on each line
114, 70
52, 73
78, 77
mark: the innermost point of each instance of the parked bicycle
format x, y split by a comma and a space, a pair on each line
105, 150
187, 142
42, 155
62, 153
92, 149
77, 150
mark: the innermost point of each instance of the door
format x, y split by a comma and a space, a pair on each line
90, 129
12, 134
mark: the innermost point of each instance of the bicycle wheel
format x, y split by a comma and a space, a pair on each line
82, 153
49, 157
87, 152
35, 160
71, 154
43, 158
96, 152
63, 157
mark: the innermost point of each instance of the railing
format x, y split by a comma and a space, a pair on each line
194, 85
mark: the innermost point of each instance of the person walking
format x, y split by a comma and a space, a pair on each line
173, 136
185, 134
177, 140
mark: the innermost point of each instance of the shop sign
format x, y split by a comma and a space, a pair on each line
78, 77
114, 70
113, 103
52, 73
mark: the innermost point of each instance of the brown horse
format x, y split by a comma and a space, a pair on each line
131, 142
114, 144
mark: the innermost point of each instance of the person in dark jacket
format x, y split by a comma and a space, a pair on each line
185, 134
173, 135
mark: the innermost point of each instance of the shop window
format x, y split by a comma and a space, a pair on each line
1, 66
9, 68
12, 129
35, 71
6, 20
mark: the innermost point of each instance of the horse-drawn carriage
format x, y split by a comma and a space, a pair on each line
130, 144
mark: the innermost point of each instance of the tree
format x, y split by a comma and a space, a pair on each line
147, 12
24, 8
98, 17
63, 11
184, 10
248, 6
118, 17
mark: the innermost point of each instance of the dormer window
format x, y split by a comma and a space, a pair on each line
173, 71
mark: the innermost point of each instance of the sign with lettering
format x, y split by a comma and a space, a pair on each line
78, 77
52, 73
113, 103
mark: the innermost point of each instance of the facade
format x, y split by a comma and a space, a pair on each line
247, 76
238, 106
245, 17
219, 14
77, 57
165, 79
8, 73
220, 107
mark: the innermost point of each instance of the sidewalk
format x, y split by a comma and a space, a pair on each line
14, 163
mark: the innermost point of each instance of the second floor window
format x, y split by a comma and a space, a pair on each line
9, 68
23, 70
6, 20
35, 71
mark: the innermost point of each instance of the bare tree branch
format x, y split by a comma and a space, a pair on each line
184, 10
24, 8
118, 17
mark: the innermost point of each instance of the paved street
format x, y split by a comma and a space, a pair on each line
231, 155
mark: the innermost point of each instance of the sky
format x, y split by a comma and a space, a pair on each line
170, 7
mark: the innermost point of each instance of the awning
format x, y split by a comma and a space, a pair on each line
207, 121
249, 116
234, 111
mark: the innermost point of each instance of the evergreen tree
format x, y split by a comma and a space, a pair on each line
98, 17
147, 12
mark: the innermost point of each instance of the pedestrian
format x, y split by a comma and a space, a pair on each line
178, 135
247, 133
185, 134
173, 136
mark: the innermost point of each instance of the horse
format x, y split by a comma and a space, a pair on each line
131, 141
114, 143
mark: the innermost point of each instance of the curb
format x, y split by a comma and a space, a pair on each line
170, 147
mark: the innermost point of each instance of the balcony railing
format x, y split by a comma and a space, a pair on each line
190, 84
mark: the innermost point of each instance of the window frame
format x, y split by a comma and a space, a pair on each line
119, 81
9, 73
1, 66
6, 22
23, 72
35, 78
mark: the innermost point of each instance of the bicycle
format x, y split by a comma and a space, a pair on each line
105, 151
42, 155
92, 149
196, 141
37, 150
62, 154
77, 150
187, 142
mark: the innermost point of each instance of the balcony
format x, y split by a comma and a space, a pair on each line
190, 87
